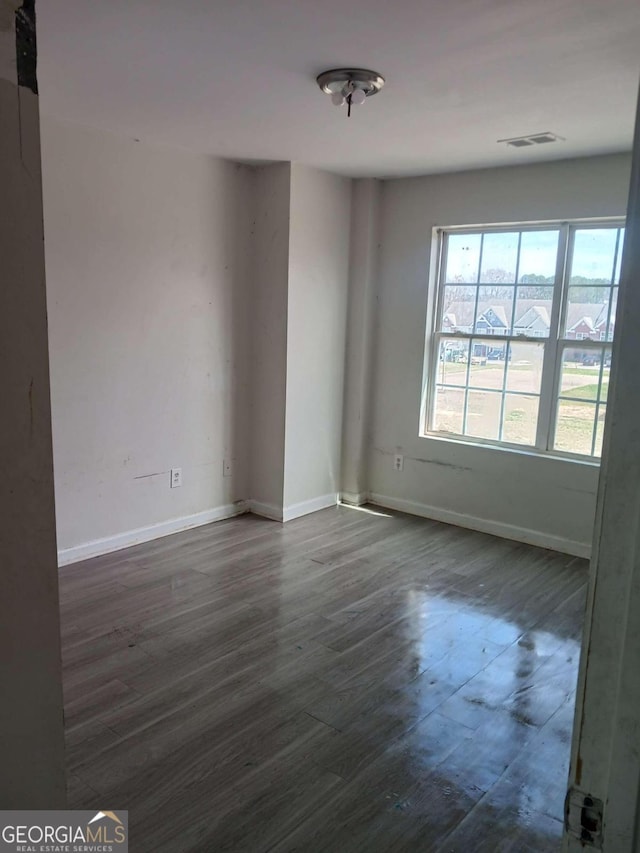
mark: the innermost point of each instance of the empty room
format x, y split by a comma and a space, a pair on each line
319, 438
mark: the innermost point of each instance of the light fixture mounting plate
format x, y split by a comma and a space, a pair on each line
335, 80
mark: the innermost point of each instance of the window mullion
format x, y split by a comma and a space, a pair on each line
473, 332
594, 434
437, 325
475, 307
548, 403
613, 284
466, 389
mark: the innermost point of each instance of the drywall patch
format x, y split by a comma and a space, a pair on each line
26, 48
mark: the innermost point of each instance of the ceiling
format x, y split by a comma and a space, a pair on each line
236, 78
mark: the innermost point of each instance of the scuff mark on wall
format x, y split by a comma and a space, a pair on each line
26, 47
449, 465
385, 452
442, 464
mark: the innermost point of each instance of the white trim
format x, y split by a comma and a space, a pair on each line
305, 507
265, 510
485, 525
96, 547
554, 343
506, 447
354, 498
288, 513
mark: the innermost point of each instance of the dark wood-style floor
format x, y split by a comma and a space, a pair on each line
348, 682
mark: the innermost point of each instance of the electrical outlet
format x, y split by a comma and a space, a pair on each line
583, 816
176, 478
226, 468
398, 462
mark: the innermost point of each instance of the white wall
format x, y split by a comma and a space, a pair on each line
363, 271
31, 722
197, 314
317, 310
543, 500
147, 254
269, 293
198, 311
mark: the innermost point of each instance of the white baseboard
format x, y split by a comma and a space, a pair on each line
305, 507
354, 498
265, 510
145, 534
496, 528
288, 513
109, 544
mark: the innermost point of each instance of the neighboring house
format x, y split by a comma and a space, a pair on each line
601, 324
458, 317
449, 323
588, 321
493, 321
534, 322
584, 321
581, 329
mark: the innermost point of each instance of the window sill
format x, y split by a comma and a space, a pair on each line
513, 449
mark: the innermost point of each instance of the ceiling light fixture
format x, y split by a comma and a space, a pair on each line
350, 85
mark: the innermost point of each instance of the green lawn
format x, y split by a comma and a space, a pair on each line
587, 392
574, 434
582, 371
575, 423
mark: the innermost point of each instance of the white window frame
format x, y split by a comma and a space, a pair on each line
554, 344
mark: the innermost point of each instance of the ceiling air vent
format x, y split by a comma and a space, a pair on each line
533, 139
539, 138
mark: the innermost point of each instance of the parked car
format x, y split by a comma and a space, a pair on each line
497, 354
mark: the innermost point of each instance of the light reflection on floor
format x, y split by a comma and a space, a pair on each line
519, 706
354, 681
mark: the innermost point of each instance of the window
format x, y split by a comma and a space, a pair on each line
547, 298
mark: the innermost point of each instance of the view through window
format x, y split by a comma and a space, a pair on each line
523, 325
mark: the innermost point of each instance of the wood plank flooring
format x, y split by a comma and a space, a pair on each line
352, 681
